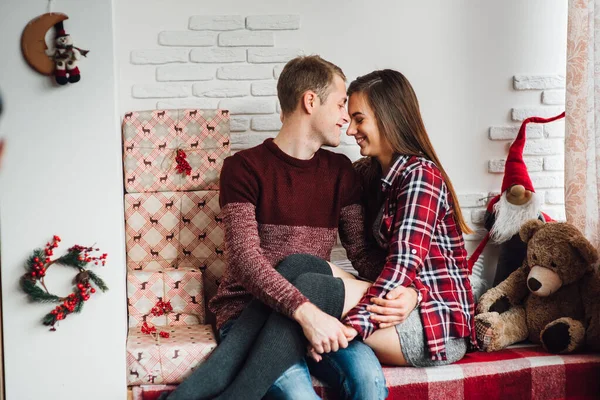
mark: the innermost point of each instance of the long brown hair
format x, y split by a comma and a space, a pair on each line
395, 105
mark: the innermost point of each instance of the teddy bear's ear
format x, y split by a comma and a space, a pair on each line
585, 249
529, 228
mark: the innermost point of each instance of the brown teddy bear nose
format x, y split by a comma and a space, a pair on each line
534, 284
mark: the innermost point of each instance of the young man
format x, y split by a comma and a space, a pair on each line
288, 196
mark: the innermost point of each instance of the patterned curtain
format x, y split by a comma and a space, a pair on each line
582, 141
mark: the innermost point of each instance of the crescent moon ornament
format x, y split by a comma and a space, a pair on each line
33, 42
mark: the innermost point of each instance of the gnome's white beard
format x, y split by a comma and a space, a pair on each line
510, 217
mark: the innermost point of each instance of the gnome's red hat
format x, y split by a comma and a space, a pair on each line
515, 173
515, 170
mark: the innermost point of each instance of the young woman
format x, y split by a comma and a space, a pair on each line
414, 230
413, 216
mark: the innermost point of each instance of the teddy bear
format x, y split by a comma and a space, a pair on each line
553, 299
517, 203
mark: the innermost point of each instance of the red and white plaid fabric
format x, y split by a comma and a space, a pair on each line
151, 140
167, 360
523, 372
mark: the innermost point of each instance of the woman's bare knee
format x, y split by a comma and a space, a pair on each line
355, 290
340, 273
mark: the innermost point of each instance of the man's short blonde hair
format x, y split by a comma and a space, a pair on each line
302, 74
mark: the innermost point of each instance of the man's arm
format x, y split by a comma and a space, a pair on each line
239, 193
352, 228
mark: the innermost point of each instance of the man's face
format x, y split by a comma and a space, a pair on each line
331, 116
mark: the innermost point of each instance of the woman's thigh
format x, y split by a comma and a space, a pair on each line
340, 273
386, 345
355, 290
384, 342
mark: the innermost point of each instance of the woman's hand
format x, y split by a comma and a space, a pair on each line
394, 308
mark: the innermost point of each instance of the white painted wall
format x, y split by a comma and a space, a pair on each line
62, 175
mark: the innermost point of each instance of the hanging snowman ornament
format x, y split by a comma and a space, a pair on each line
65, 56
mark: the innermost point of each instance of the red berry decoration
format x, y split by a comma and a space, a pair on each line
183, 166
32, 282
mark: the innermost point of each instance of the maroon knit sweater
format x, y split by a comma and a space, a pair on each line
274, 205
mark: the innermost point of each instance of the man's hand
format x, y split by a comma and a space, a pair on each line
324, 332
394, 308
312, 353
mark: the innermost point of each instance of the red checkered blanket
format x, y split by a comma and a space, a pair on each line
519, 372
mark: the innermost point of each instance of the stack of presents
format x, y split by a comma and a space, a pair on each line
175, 253
175, 257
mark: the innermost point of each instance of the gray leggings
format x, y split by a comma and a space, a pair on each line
414, 348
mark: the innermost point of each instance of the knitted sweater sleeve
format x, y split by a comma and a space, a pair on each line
245, 260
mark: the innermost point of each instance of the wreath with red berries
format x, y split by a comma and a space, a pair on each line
78, 257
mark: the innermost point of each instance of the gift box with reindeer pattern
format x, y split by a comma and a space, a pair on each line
171, 230
152, 359
151, 140
182, 288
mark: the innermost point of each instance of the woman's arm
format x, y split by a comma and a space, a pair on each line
421, 195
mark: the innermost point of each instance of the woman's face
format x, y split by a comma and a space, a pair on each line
363, 127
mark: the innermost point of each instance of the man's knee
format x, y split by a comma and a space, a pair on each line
294, 384
297, 264
367, 382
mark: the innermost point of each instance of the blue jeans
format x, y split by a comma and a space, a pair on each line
354, 373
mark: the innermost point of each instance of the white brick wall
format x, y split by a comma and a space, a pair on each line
543, 152
534, 164
187, 38
216, 22
227, 61
521, 113
218, 55
534, 131
272, 55
270, 123
264, 88
274, 22
555, 129
524, 82
246, 38
221, 89
184, 73
554, 163
252, 106
553, 97
159, 56
161, 90
187, 103
245, 72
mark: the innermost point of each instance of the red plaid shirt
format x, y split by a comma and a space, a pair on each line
425, 248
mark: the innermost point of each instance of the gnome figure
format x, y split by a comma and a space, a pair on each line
65, 56
516, 204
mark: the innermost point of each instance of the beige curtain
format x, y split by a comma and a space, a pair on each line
582, 141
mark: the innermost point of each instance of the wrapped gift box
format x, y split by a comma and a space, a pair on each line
151, 140
174, 230
183, 288
157, 360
